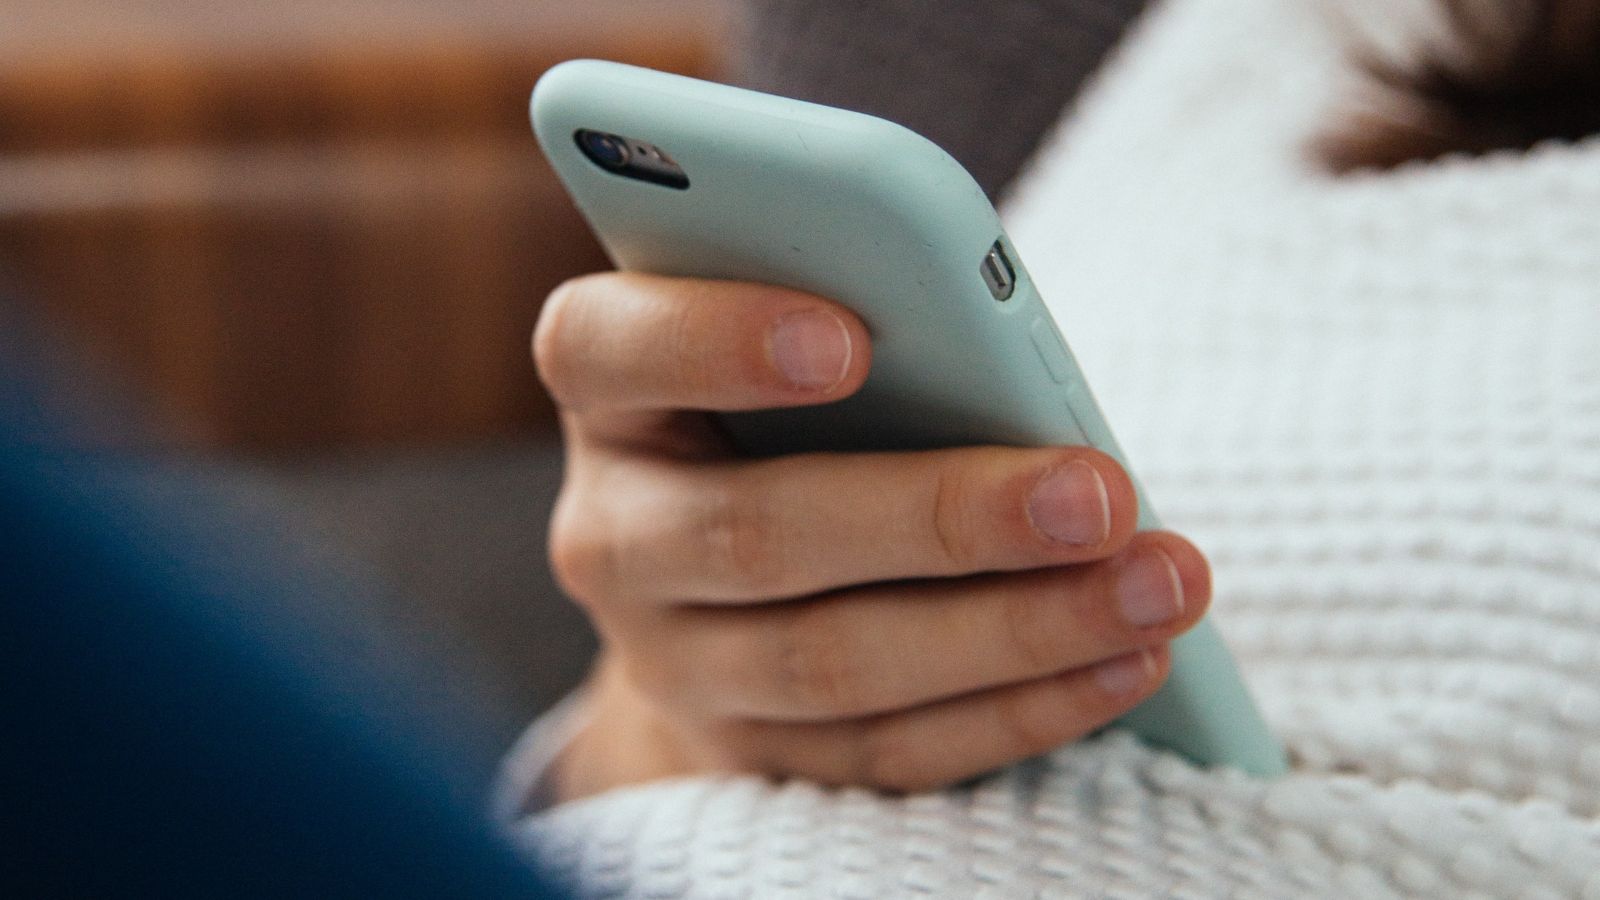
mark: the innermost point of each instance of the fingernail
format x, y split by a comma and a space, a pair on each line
1070, 505
1126, 674
1149, 590
811, 348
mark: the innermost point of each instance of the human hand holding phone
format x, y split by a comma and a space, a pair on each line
901, 620
971, 404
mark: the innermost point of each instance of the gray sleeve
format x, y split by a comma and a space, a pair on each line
985, 80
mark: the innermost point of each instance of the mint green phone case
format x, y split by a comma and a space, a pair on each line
864, 211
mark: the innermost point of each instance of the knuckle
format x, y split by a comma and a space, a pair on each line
552, 360
740, 537
952, 498
581, 555
664, 677
818, 673
776, 749
1027, 722
743, 746
1032, 627
886, 759
687, 362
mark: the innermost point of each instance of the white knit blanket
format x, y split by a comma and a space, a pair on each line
1375, 401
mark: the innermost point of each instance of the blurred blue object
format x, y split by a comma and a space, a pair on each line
173, 728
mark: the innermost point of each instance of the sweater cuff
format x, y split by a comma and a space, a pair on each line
522, 787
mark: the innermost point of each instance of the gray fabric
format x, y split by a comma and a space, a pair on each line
455, 538
983, 80
436, 556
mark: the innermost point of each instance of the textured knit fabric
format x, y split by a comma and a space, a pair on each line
982, 80
1375, 401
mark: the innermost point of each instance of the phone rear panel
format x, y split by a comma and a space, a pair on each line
838, 204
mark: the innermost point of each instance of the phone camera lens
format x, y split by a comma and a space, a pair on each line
607, 150
630, 158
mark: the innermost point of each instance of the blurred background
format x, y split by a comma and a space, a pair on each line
289, 254
284, 259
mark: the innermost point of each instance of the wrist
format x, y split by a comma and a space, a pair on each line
624, 739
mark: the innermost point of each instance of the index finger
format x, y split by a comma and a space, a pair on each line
623, 341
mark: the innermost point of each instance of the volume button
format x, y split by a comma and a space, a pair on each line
1050, 350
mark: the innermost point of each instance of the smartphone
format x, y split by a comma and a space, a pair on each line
679, 176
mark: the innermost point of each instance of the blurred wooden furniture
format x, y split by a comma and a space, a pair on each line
306, 222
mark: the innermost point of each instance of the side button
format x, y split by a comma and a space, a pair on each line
1054, 355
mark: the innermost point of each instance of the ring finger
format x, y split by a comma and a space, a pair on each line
880, 648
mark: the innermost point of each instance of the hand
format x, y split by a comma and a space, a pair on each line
895, 620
